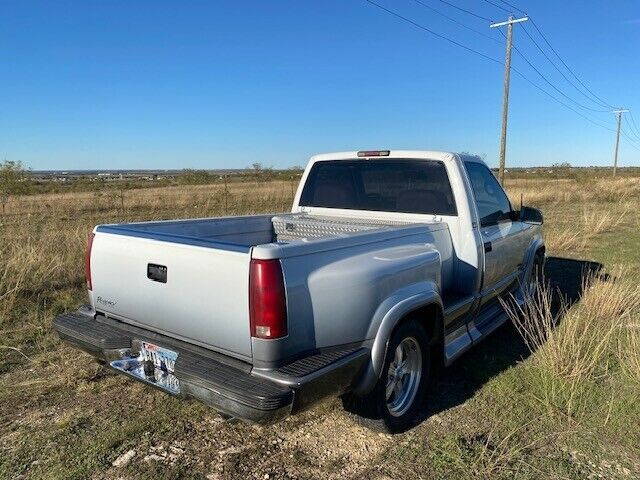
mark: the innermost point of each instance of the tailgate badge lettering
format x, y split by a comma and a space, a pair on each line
105, 302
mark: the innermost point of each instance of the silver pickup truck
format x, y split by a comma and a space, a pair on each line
389, 262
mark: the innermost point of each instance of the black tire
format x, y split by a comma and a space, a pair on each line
373, 410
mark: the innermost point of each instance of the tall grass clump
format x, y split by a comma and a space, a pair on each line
581, 231
628, 351
37, 264
575, 350
597, 221
566, 239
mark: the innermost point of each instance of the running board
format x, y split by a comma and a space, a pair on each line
469, 334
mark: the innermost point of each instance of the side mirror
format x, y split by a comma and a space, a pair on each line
531, 215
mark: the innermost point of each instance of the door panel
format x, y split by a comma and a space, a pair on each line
504, 257
501, 236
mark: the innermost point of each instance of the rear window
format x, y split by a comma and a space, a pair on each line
399, 185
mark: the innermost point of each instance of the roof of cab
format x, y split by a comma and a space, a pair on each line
353, 155
421, 154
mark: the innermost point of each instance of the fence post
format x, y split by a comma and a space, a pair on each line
4, 198
226, 193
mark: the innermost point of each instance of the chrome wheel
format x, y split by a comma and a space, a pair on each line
403, 376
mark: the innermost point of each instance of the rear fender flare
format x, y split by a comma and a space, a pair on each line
388, 315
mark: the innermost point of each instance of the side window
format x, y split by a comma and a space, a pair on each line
493, 205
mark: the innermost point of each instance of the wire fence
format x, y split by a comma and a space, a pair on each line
261, 196
112, 205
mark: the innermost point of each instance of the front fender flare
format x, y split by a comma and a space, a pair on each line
536, 244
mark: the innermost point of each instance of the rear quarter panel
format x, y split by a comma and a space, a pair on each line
334, 297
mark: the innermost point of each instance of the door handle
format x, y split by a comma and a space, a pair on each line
157, 273
487, 247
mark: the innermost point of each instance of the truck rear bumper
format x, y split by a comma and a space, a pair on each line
229, 385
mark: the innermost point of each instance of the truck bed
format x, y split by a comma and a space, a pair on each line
242, 233
201, 295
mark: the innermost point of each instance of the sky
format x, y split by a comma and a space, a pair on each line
117, 84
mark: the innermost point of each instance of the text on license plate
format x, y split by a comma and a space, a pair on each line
153, 364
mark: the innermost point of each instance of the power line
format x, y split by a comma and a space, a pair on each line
487, 57
493, 39
443, 37
523, 56
597, 100
498, 6
634, 122
513, 7
532, 83
603, 102
526, 31
621, 129
453, 5
629, 143
629, 139
517, 72
631, 131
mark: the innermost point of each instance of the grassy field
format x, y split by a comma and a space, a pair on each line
552, 398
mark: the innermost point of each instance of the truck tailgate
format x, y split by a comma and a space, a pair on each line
194, 293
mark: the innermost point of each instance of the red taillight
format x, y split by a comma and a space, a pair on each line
87, 262
267, 301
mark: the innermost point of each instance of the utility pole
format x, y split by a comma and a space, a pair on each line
618, 112
505, 96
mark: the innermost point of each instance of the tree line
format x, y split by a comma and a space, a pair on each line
17, 179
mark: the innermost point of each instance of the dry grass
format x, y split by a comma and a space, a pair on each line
233, 199
628, 350
32, 265
572, 192
42, 237
573, 347
567, 239
596, 222
580, 210
50, 396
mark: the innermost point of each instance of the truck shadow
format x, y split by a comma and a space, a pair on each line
504, 348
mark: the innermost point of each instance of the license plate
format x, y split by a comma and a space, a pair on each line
153, 364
